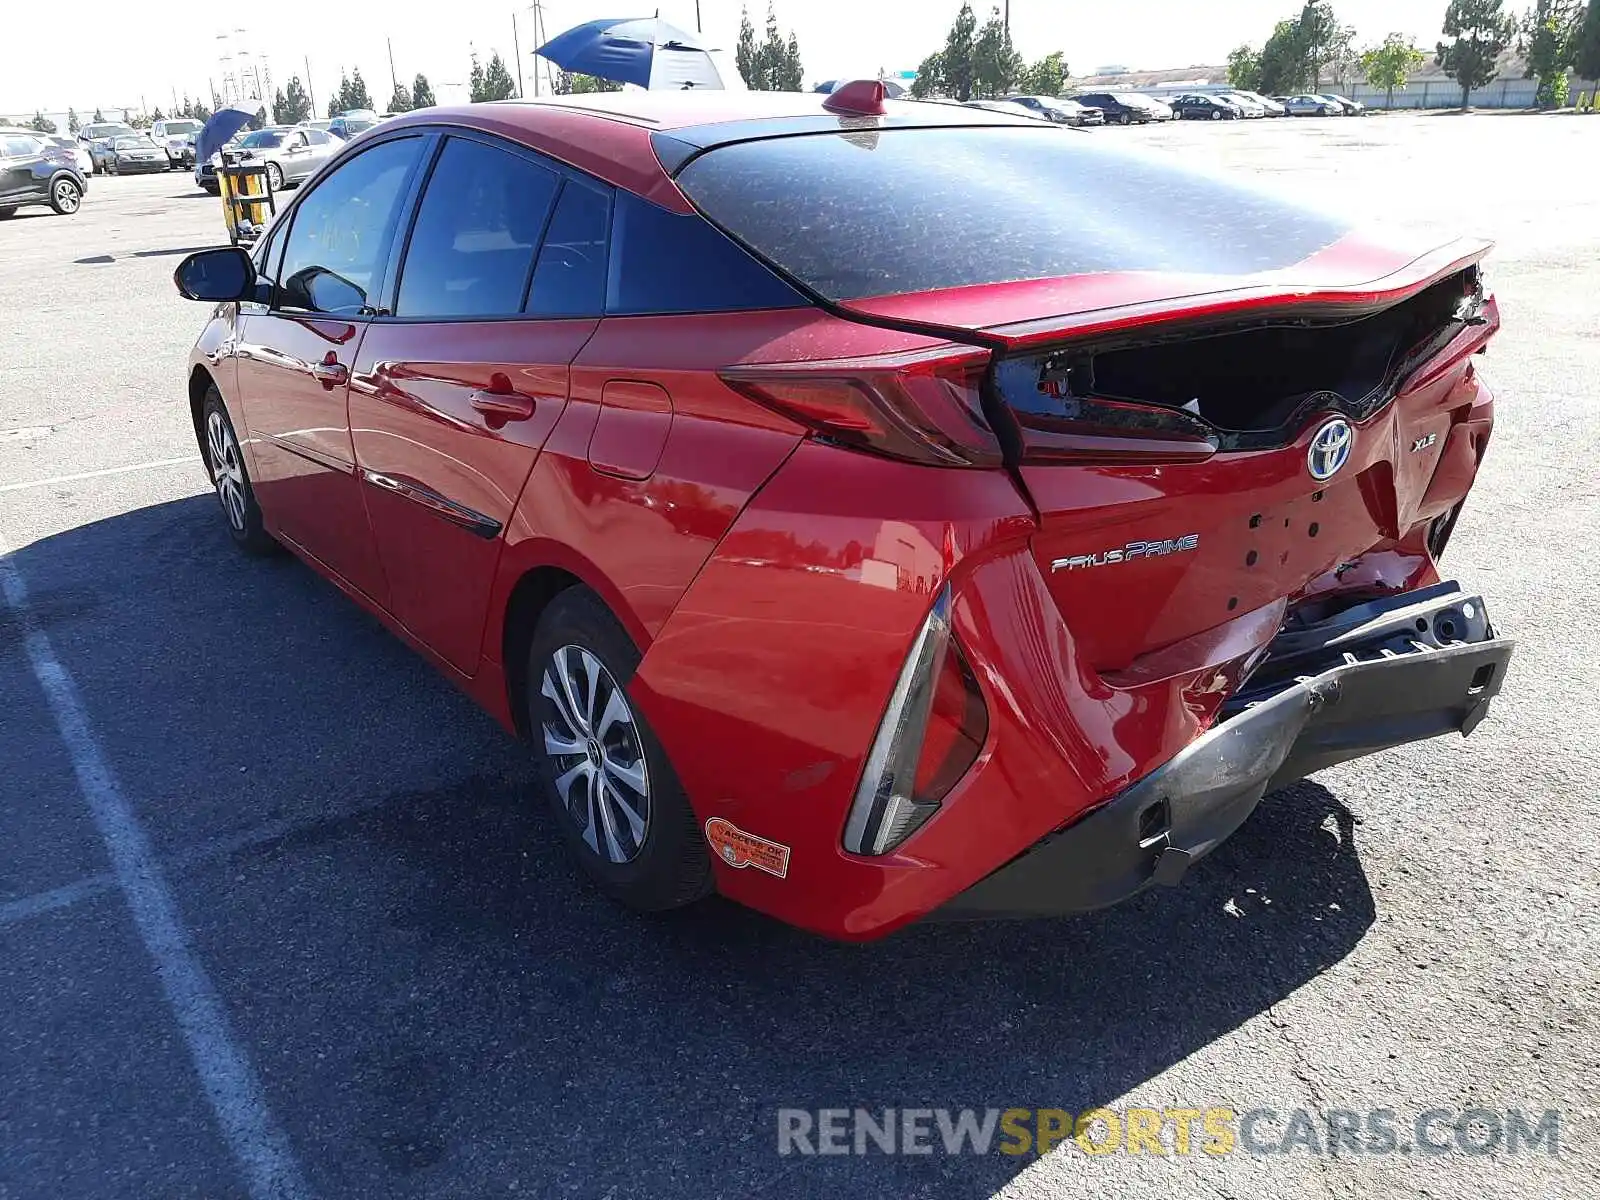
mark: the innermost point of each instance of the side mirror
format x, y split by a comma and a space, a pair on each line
223, 274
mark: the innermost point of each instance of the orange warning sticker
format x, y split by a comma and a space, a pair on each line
740, 849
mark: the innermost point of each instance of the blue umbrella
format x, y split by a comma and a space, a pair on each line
645, 51
224, 123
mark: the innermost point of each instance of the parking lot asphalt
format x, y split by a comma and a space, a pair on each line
278, 915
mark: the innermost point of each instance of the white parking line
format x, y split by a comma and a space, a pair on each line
226, 1073
144, 466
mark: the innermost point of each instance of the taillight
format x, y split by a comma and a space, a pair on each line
923, 407
931, 733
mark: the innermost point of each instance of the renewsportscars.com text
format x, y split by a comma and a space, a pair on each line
1167, 1131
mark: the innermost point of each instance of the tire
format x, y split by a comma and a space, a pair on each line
636, 838
1125, 119
230, 478
275, 177
65, 195
9, 211
1216, 114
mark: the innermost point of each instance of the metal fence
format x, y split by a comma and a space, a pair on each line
1445, 93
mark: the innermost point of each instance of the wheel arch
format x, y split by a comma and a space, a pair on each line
535, 587
200, 382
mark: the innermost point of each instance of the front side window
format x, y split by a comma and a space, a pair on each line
334, 256
475, 234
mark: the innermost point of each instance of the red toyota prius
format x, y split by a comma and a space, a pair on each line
870, 510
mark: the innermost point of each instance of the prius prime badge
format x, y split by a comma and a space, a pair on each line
1330, 449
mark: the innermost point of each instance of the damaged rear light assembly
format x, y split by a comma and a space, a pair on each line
1182, 395
921, 407
931, 733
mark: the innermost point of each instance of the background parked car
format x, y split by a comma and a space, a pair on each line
1273, 107
1350, 108
176, 137
80, 153
319, 125
1161, 109
1244, 103
97, 139
1122, 108
1060, 110
134, 154
291, 155
1008, 107
1199, 106
346, 125
1311, 106
33, 170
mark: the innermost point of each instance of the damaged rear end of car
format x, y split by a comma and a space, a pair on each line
1156, 517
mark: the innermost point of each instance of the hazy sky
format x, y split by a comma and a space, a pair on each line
94, 53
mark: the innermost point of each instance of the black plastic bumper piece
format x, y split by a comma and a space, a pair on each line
1386, 673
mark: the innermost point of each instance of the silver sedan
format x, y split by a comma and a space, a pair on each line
290, 155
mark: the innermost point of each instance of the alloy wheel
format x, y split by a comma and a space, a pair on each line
597, 758
226, 470
67, 196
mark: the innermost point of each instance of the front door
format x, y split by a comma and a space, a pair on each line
452, 399
295, 359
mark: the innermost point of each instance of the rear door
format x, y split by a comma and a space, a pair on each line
501, 282
19, 155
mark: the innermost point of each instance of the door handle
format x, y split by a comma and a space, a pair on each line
330, 372
500, 402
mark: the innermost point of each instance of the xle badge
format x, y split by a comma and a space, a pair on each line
740, 849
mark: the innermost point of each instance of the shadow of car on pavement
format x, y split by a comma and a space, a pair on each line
438, 1003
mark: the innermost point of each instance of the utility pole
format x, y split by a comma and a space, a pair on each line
394, 80
1008, 15
538, 25
310, 94
697, 28
516, 50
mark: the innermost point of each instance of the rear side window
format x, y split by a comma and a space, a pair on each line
666, 262
475, 235
909, 210
570, 278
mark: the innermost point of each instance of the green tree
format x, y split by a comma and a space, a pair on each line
73, 124
97, 117
157, 115
294, 103
493, 82
959, 72
400, 99
1244, 68
42, 123
1549, 37
336, 102
576, 83
930, 79
1319, 37
1585, 54
358, 96
995, 61
1283, 65
745, 54
1045, 76
1479, 31
1389, 66
422, 92
792, 73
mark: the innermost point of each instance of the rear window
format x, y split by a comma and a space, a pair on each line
887, 212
